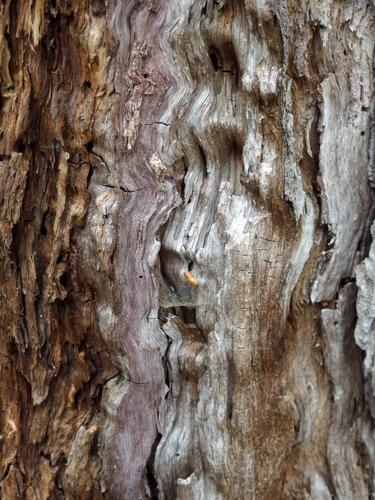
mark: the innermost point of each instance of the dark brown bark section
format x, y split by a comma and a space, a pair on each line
54, 363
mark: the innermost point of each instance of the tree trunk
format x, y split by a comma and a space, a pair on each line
188, 279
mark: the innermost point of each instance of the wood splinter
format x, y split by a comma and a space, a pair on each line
189, 278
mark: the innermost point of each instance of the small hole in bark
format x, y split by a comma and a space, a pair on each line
20, 147
182, 188
345, 53
94, 448
215, 61
140, 276
231, 377
90, 146
166, 367
346, 281
64, 278
150, 472
188, 315
98, 396
12, 348
62, 460
204, 161
87, 84
182, 169
43, 230
145, 75
190, 265
362, 133
204, 10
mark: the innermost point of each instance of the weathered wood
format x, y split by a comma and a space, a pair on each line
186, 191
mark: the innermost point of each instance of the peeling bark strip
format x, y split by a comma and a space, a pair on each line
186, 191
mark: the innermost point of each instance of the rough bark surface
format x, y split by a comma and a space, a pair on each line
187, 276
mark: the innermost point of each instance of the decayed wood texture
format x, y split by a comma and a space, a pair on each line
186, 204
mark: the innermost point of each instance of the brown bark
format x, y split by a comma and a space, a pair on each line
186, 191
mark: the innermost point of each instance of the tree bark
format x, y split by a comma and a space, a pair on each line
187, 276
